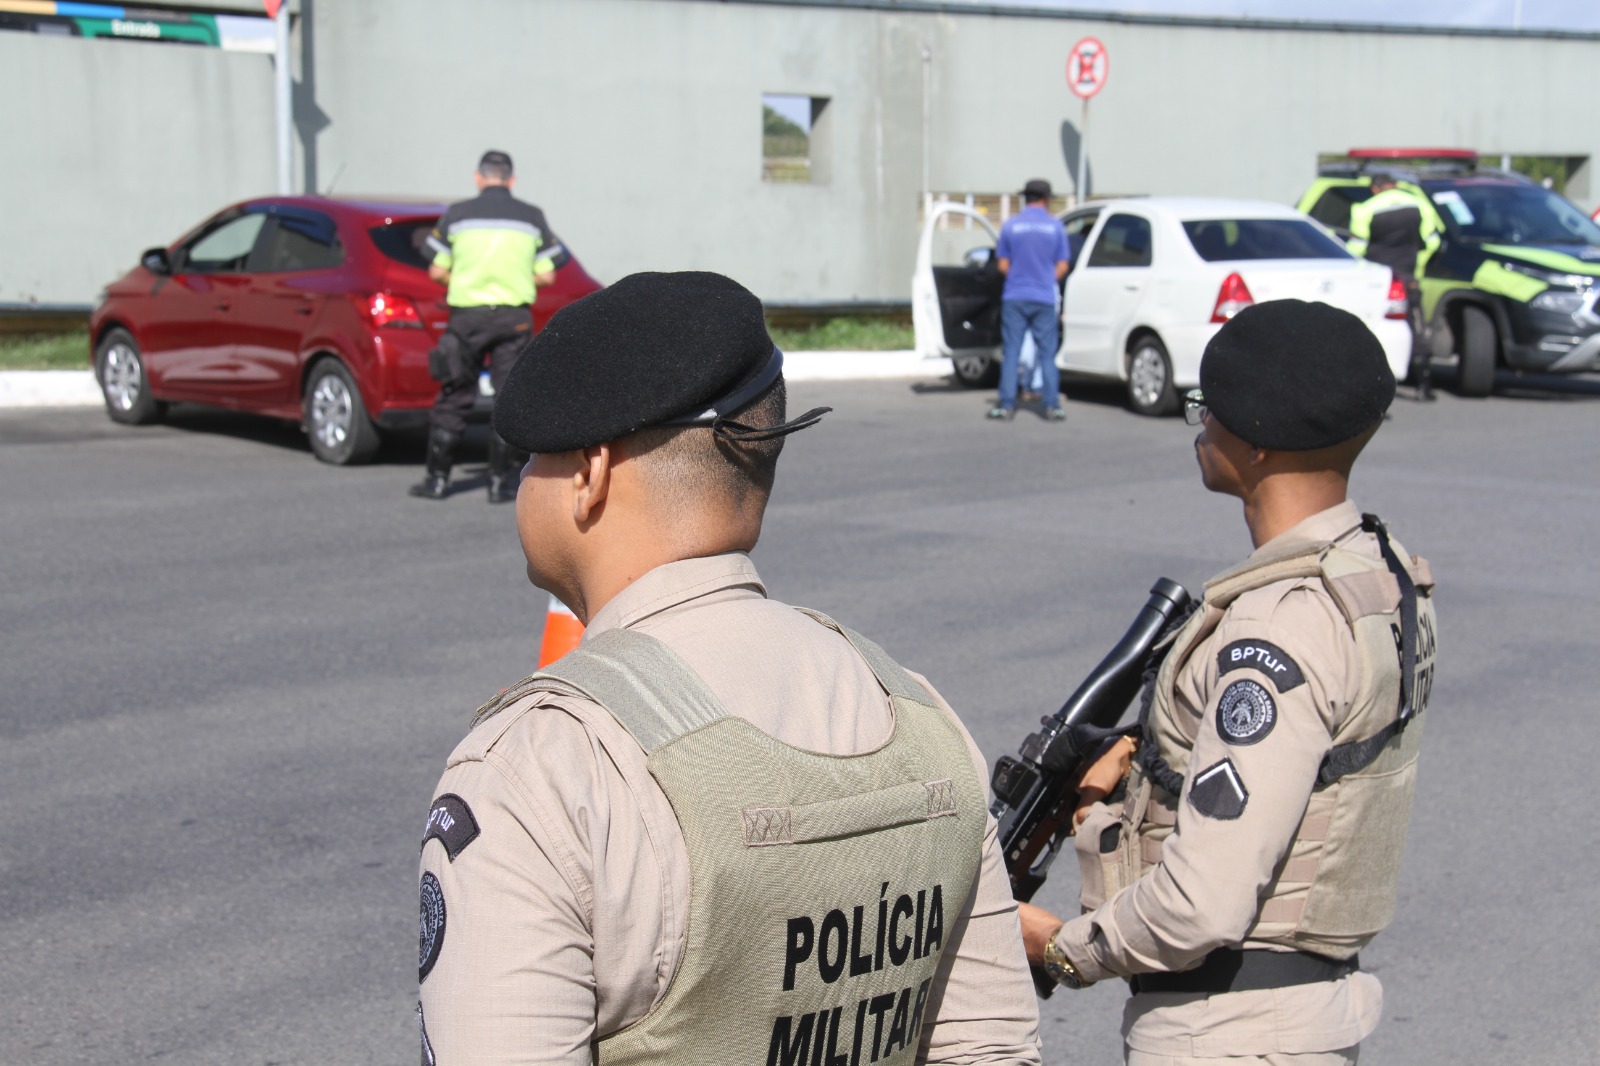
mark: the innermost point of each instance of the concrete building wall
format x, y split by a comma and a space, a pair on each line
634, 123
108, 148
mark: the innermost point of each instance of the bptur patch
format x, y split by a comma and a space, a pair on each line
1265, 656
450, 821
430, 930
1246, 713
1218, 792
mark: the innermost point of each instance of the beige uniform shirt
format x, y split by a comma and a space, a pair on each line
564, 916
1203, 893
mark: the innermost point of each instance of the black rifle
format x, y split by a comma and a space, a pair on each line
1036, 792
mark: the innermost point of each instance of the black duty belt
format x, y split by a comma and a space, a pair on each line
1234, 970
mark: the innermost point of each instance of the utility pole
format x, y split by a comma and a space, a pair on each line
283, 90
927, 130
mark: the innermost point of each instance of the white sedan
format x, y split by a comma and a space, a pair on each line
1152, 281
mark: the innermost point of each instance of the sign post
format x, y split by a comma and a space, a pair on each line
1087, 66
283, 92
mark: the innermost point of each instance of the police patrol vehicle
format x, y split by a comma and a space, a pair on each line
1516, 276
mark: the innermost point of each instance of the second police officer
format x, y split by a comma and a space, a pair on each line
1256, 845
493, 252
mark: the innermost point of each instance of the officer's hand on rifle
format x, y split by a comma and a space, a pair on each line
1103, 776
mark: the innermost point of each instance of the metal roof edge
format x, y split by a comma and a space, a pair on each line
944, 7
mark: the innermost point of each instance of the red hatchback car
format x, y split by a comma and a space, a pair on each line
307, 308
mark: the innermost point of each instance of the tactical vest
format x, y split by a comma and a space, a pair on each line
822, 887
1336, 888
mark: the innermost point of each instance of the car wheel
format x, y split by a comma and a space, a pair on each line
123, 382
976, 371
1479, 348
1150, 388
336, 420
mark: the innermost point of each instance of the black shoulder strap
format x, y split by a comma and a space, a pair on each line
1155, 767
1348, 758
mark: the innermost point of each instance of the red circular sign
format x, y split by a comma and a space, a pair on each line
1087, 66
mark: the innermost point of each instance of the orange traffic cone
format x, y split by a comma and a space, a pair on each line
562, 632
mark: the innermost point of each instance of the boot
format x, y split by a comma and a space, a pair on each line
435, 484
505, 467
1425, 384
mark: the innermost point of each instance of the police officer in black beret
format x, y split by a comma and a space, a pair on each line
1252, 847
657, 849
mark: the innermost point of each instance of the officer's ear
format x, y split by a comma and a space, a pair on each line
591, 483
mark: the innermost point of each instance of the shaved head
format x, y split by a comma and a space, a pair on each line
690, 468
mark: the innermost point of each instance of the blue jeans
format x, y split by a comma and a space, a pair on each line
1018, 317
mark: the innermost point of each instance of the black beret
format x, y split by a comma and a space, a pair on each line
646, 351
1294, 376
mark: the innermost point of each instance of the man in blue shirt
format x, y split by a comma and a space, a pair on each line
1033, 256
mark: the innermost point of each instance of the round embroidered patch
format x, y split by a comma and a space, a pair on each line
430, 931
1246, 713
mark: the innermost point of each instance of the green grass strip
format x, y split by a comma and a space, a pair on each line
846, 334
44, 351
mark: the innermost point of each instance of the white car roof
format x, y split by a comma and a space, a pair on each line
1197, 207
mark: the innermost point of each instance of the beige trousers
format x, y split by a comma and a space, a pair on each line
1345, 1057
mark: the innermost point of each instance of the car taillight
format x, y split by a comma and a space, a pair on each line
1233, 297
1398, 305
393, 312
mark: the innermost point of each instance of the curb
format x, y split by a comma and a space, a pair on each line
77, 388
49, 388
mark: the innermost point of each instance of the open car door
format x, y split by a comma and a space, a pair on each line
955, 294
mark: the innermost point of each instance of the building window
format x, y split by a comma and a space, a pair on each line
795, 139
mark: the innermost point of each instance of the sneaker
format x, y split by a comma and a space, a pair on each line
1002, 414
1055, 414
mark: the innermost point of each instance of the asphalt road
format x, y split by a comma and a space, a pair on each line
230, 676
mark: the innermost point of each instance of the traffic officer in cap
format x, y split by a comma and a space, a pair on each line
723, 829
1234, 871
493, 252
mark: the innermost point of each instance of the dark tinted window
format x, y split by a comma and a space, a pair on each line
405, 242
1078, 227
1222, 240
1124, 242
308, 241
1512, 214
1333, 208
224, 248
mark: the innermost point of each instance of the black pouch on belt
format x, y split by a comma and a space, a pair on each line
447, 359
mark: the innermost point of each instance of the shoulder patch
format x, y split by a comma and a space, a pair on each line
450, 822
430, 928
1218, 792
1245, 713
1265, 656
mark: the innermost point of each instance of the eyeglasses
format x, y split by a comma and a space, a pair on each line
1194, 407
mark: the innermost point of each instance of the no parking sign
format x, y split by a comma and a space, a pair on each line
1087, 66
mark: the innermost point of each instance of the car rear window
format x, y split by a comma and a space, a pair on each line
405, 242
1220, 240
